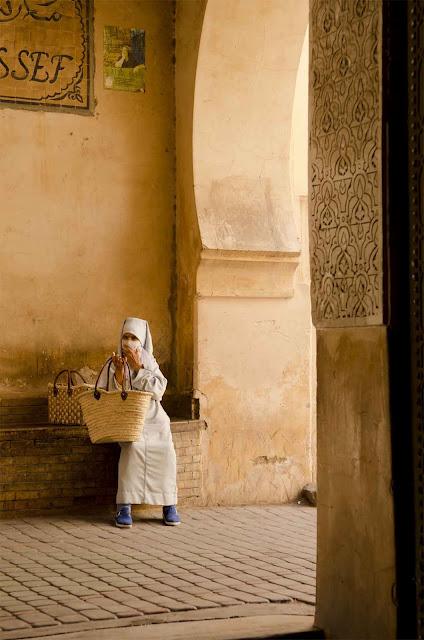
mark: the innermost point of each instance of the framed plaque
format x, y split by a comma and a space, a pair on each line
46, 56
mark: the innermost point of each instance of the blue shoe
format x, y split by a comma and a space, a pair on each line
123, 518
170, 516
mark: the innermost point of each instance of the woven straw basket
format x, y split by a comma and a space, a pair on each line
63, 403
114, 416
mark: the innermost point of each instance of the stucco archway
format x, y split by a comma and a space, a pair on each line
252, 299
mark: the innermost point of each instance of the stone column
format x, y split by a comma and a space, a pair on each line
356, 558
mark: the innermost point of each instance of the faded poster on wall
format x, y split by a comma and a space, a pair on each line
45, 54
124, 59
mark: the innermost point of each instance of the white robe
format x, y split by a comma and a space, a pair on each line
147, 468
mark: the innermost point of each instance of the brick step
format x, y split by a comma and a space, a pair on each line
52, 467
29, 410
23, 410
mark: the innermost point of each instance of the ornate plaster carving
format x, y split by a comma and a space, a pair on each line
345, 162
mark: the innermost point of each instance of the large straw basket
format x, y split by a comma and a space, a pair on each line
114, 416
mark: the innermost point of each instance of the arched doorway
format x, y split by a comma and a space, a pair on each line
251, 281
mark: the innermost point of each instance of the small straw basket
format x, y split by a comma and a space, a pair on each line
63, 404
115, 416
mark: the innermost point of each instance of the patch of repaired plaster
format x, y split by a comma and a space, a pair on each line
271, 460
243, 213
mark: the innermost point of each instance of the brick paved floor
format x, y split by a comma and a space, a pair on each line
67, 573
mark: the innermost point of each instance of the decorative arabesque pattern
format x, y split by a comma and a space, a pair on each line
345, 162
416, 168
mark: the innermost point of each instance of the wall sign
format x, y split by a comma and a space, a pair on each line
124, 59
45, 54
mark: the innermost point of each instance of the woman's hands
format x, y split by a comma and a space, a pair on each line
119, 363
133, 356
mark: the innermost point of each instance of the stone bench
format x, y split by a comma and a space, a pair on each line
45, 466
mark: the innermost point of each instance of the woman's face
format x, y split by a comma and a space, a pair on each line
130, 342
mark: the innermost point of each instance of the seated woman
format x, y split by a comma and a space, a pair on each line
147, 468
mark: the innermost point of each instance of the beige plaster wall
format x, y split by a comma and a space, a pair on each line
252, 379
189, 20
355, 516
248, 60
252, 314
87, 214
299, 189
299, 125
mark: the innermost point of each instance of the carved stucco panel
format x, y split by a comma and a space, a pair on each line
345, 163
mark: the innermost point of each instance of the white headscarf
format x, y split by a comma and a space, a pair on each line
140, 329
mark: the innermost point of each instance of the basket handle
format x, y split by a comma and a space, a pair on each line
124, 393
70, 382
78, 374
55, 389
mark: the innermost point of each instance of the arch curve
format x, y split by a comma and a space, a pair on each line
245, 85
